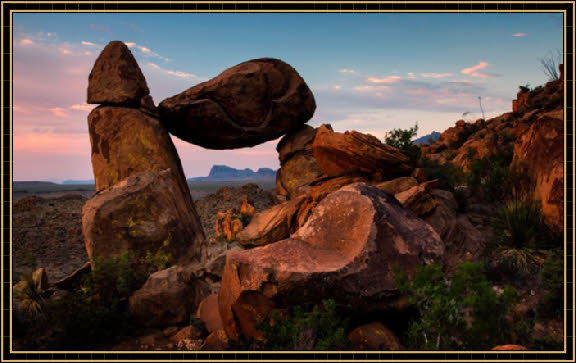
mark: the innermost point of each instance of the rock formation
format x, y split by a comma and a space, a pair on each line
347, 250
143, 201
539, 152
353, 152
298, 166
246, 105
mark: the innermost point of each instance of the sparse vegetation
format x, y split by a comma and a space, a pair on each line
402, 139
447, 172
549, 64
491, 174
553, 282
318, 328
461, 312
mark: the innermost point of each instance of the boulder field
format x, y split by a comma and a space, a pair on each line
350, 209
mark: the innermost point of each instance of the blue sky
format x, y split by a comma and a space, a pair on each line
369, 72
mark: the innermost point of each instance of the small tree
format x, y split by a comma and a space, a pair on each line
402, 139
549, 64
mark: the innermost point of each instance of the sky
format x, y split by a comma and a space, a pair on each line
370, 72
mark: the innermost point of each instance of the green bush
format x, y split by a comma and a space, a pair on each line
491, 174
553, 283
514, 266
460, 313
448, 172
95, 313
519, 225
402, 139
320, 328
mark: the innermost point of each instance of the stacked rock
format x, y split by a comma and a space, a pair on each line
142, 202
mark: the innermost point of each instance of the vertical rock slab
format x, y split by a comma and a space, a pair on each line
539, 152
298, 168
347, 250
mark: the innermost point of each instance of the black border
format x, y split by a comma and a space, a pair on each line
415, 6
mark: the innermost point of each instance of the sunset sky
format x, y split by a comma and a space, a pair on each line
368, 72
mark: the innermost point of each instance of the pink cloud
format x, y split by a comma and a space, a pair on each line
345, 70
372, 88
389, 79
337, 87
88, 43
172, 73
473, 71
436, 75
519, 34
26, 41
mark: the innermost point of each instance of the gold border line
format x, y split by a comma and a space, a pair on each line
276, 11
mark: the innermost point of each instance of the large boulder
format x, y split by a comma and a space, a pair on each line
347, 250
116, 78
169, 297
540, 154
374, 336
353, 152
126, 141
209, 314
246, 105
142, 213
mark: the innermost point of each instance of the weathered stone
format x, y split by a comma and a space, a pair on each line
374, 336
142, 213
217, 340
419, 174
247, 210
246, 105
169, 297
125, 142
75, 278
418, 199
188, 332
271, 225
297, 173
116, 78
347, 250
398, 185
209, 314
251, 308
540, 154
40, 279
352, 152
296, 142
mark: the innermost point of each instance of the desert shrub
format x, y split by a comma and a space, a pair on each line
463, 312
519, 224
514, 266
553, 283
95, 313
30, 297
449, 173
319, 328
159, 260
491, 174
402, 139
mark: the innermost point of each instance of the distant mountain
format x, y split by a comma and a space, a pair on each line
32, 184
427, 139
224, 173
78, 182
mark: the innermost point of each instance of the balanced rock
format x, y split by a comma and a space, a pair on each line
116, 78
169, 297
347, 250
353, 152
142, 213
540, 154
298, 168
246, 105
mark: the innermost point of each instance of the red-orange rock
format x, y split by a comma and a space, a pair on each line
228, 225
209, 314
540, 153
271, 225
352, 152
217, 340
246, 105
347, 251
509, 347
374, 336
116, 77
251, 308
247, 210
398, 185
